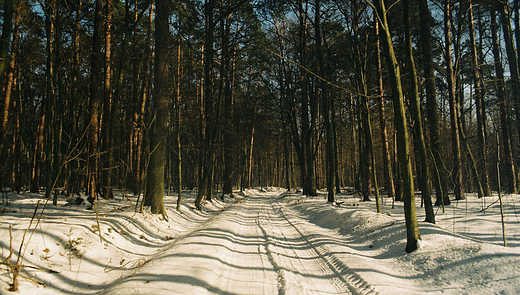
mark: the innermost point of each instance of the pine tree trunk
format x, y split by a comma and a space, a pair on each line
50, 99
479, 108
95, 98
513, 60
325, 102
4, 50
4, 42
228, 109
419, 141
440, 182
412, 227
155, 174
388, 173
107, 126
211, 113
178, 149
507, 167
458, 183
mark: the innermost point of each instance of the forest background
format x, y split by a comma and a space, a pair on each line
220, 95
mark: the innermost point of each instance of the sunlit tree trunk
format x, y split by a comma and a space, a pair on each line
456, 177
412, 227
388, 173
10, 83
108, 121
419, 141
177, 136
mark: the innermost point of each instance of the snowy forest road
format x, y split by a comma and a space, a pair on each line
255, 246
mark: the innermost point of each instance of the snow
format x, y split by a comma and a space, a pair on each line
261, 241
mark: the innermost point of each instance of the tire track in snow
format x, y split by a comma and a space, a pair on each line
276, 267
351, 280
302, 260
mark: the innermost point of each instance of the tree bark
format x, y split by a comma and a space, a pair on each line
95, 99
458, 183
513, 60
108, 121
155, 174
419, 141
177, 140
227, 187
507, 165
412, 227
479, 108
7, 28
440, 182
388, 173
325, 102
50, 99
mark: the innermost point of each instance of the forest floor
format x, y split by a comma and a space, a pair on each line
262, 241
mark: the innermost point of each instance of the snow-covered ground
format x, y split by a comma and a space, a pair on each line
261, 242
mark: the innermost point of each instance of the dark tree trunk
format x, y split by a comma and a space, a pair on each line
479, 108
95, 99
155, 174
228, 128
325, 102
513, 60
440, 182
507, 167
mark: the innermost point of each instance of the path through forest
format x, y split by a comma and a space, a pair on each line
255, 246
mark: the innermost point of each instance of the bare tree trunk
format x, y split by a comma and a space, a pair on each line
457, 179
388, 173
440, 182
155, 174
512, 58
419, 141
229, 161
309, 186
107, 126
412, 227
177, 144
212, 113
507, 167
4, 42
4, 50
50, 99
95, 98
325, 102
479, 108
10, 82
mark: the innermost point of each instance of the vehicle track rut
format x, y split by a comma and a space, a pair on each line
252, 247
